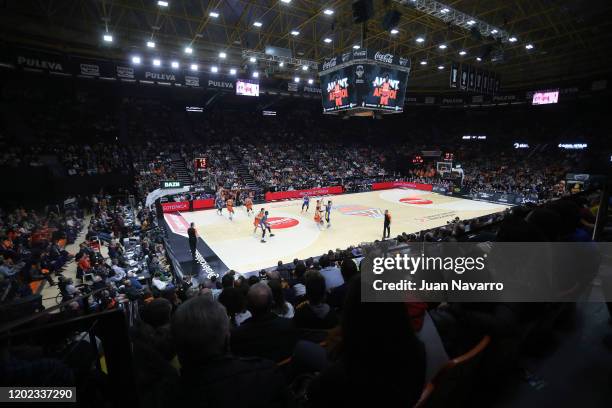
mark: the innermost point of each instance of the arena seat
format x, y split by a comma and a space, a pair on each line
452, 384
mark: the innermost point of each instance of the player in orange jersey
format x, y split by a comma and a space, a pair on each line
318, 219
257, 220
230, 207
248, 203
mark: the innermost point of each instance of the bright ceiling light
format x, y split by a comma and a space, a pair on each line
471, 22
214, 70
286, 1
253, 59
440, 67
257, 24
156, 62
442, 46
188, 50
213, 14
136, 60
310, 82
327, 40
423, 62
233, 71
222, 55
304, 67
255, 74
194, 67
108, 38
444, 10
420, 40
356, 46
494, 31
174, 64
296, 79
328, 12
150, 44
162, 3
281, 64
478, 59
512, 39
295, 32
462, 52
529, 46
394, 31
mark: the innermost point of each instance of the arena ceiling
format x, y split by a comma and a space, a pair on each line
570, 38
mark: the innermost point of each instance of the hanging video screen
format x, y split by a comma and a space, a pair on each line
368, 86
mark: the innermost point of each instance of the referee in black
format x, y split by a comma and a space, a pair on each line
387, 226
193, 239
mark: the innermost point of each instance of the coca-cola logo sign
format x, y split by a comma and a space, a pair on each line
329, 63
360, 54
379, 56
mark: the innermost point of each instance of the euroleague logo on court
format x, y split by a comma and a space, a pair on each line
415, 200
360, 210
282, 222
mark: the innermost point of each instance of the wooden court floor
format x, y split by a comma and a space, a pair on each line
355, 218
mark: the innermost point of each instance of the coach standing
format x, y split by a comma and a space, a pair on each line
193, 239
387, 227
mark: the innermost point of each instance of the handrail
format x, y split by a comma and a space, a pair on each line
602, 211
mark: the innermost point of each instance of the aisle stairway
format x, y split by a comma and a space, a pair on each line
180, 168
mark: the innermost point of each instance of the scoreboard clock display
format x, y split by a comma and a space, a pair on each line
200, 164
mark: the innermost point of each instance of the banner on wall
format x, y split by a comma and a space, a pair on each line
385, 185
175, 206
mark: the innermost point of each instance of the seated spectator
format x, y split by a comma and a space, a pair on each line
210, 377
265, 334
376, 338
281, 307
315, 313
331, 273
337, 295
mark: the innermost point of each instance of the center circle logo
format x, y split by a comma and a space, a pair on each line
415, 200
282, 222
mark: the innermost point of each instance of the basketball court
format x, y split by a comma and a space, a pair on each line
355, 218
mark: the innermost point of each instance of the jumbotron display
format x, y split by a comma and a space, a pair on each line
362, 81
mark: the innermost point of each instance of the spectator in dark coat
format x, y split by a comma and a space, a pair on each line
315, 313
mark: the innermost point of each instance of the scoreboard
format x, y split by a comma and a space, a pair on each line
364, 80
200, 164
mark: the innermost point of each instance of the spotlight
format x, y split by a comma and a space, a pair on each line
136, 60
156, 62
513, 39
327, 40
108, 38
150, 44
420, 40
174, 64
304, 67
494, 31
194, 67
286, 1
296, 79
462, 52
423, 62
310, 82
529, 46
222, 55
328, 12
253, 59
394, 31
442, 46
233, 71
214, 70
440, 67
471, 22
213, 14
188, 50
162, 3
444, 10
478, 59
356, 47
257, 24
295, 32
281, 64
255, 74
